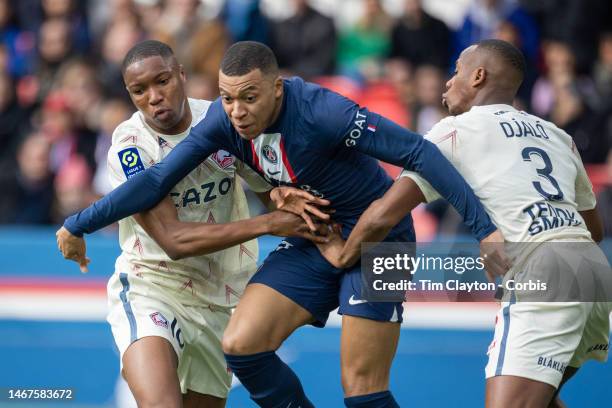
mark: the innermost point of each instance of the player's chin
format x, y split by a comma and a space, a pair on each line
248, 134
166, 123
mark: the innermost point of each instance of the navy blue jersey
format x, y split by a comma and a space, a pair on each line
321, 142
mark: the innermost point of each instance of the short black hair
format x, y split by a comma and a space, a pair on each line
146, 49
508, 53
246, 56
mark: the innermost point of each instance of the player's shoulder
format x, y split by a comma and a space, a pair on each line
130, 131
441, 129
552, 130
199, 108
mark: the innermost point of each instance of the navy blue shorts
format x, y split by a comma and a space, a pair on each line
297, 269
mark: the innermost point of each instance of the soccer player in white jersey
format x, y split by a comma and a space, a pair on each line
526, 172
171, 295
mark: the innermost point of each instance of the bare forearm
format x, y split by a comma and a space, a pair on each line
370, 228
593, 223
192, 239
380, 217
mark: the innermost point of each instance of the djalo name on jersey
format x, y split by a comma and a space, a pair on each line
523, 128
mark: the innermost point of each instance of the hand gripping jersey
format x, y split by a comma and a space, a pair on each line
210, 193
525, 170
321, 142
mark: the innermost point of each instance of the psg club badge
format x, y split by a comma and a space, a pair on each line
269, 154
159, 320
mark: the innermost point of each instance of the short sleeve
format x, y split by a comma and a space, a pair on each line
443, 135
585, 197
128, 155
253, 179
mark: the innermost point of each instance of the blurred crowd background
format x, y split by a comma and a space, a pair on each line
62, 95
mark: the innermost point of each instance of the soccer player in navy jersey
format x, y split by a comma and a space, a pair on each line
300, 135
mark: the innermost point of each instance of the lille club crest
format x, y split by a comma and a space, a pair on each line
223, 159
159, 320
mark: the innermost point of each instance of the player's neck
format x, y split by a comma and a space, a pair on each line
492, 98
277, 110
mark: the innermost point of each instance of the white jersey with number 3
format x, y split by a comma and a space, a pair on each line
211, 193
525, 170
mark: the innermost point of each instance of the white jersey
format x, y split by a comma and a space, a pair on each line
526, 171
211, 193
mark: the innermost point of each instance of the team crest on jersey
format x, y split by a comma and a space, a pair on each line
159, 320
223, 159
269, 154
270, 158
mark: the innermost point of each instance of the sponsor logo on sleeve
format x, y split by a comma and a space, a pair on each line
159, 320
130, 162
223, 159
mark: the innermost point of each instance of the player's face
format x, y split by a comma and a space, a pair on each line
459, 90
251, 101
157, 88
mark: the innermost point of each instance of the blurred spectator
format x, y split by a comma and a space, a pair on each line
78, 84
68, 10
72, 188
244, 20
588, 19
28, 187
507, 31
58, 126
569, 100
102, 13
362, 47
602, 71
54, 47
399, 74
13, 120
198, 43
201, 87
420, 38
119, 37
483, 20
305, 44
604, 200
112, 113
553, 17
428, 110
149, 12
18, 44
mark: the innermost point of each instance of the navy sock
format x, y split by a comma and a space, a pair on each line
270, 382
382, 399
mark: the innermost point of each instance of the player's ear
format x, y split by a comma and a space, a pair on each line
478, 76
182, 74
278, 87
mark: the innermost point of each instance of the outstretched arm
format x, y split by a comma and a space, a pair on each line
350, 127
184, 239
394, 144
141, 192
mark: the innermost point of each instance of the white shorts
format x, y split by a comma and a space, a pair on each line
538, 340
138, 308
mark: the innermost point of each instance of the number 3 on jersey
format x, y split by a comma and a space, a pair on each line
544, 172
